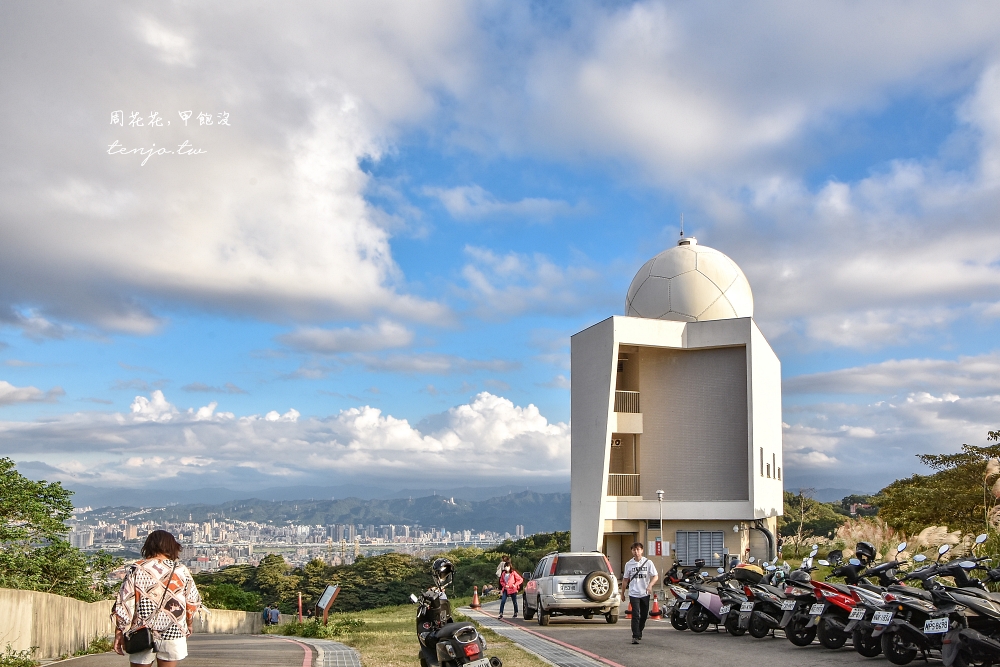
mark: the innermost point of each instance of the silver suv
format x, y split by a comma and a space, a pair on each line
573, 584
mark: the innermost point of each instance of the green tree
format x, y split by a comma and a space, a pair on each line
958, 495
805, 517
33, 552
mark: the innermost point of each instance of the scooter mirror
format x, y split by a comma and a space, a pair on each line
901, 547
919, 558
815, 550
981, 538
771, 568
855, 562
720, 570
823, 562
967, 565
808, 562
413, 598
704, 574
751, 560
943, 549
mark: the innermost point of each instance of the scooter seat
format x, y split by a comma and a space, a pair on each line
840, 587
450, 630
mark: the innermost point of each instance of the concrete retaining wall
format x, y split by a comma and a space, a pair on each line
59, 625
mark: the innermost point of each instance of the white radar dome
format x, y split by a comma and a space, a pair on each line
689, 283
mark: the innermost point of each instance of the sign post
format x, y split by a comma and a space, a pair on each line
326, 600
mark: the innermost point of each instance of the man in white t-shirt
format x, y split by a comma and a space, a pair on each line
639, 578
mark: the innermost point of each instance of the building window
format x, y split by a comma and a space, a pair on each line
779, 473
761, 461
769, 471
691, 545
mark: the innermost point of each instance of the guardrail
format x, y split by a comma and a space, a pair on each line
627, 401
623, 484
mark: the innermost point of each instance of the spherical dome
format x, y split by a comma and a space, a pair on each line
689, 283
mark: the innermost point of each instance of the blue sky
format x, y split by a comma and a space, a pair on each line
373, 271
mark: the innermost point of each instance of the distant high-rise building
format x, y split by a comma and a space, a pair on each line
518, 531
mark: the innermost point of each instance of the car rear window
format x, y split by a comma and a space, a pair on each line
581, 564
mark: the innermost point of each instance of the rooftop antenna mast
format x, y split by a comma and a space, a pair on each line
682, 225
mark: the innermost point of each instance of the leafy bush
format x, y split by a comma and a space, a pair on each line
97, 645
12, 658
230, 596
316, 629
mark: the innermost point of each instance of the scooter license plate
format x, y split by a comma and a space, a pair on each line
724, 609
482, 662
934, 625
816, 609
685, 606
746, 606
857, 614
788, 605
882, 618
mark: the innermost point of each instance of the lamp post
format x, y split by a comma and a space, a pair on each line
659, 503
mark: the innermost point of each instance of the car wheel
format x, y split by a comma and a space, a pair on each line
529, 613
698, 619
678, 620
611, 618
597, 586
543, 616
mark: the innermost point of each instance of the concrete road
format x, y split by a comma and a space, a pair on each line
220, 650
662, 645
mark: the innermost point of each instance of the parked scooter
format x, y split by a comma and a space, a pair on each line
444, 643
709, 604
768, 597
800, 598
680, 579
870, 602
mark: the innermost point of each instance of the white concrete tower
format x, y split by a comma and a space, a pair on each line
682, 395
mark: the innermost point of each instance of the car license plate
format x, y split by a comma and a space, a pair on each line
816, 609
746, 606
724, 609
788, 605
857, 614
933, 625
567, 587
882, 617
482, 662
685, 606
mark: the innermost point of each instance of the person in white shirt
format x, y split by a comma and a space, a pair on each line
639, 578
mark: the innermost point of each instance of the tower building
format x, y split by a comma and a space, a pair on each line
676, 412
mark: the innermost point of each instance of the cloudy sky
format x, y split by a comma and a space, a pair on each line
387, 218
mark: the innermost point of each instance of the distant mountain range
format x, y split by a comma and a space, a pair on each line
90, 496
537, 512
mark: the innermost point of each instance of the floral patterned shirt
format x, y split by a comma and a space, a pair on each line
144, 585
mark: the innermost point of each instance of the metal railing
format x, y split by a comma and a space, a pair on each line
620, 484
627, 401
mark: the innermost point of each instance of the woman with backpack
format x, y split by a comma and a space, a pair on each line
510, 584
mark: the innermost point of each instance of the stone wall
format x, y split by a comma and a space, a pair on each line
59, 625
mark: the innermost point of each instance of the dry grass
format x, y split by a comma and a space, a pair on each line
388, 639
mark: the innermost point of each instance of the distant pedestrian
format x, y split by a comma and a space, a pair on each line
309, 613
275, 615
267, 615
504, 560
510, 584
639, 578
781, 543
158, 593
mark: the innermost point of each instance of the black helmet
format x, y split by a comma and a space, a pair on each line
865, 551
442, 570
799, 576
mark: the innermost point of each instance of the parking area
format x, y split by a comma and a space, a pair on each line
662, 645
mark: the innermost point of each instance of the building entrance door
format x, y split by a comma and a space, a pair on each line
618, 549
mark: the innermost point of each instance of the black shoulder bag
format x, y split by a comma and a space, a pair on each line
141, 638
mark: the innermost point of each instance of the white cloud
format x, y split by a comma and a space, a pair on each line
504, 285
366, 338
432, 363
272, 221
10, 394
973, 375
472, 201
487, 437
